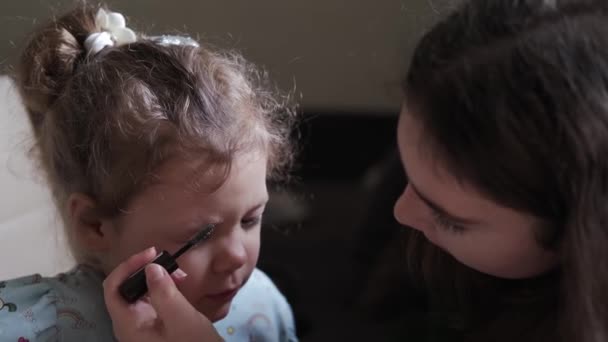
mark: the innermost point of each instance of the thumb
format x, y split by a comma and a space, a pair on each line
179, 318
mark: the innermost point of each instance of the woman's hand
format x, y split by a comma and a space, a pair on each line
165, 315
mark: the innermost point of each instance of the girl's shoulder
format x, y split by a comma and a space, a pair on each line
261, 291
67, 307
259, 311
27, 308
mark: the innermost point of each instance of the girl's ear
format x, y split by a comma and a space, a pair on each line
94, 232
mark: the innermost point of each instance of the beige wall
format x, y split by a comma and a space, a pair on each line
341, 54
31, 240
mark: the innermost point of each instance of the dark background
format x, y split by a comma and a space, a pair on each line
331, 243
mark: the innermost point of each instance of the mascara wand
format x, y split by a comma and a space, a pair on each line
135, 286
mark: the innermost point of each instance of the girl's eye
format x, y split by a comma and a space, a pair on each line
184, 239
444, 223
251, 222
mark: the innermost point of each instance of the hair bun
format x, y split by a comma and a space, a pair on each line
51, 58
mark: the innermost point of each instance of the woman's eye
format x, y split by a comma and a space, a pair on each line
444, 223
251, 222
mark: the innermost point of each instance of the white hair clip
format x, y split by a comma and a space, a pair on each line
114, 32
167, 40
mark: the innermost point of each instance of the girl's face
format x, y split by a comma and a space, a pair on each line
476, 231
168, 213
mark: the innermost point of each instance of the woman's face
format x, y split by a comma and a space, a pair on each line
476, 231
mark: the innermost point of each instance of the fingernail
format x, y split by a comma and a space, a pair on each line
180, 274
154, 272
151, 250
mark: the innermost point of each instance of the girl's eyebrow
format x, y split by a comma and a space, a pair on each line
191, 230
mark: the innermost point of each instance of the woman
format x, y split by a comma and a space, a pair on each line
504, 139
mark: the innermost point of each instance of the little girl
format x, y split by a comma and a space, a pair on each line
145, 141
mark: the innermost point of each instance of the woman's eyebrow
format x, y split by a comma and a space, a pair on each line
434, 206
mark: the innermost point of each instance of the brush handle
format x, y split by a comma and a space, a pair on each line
135, 286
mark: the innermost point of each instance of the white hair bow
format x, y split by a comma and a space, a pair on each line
114, 32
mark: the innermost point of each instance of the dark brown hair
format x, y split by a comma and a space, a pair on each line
512, 95
104, 122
